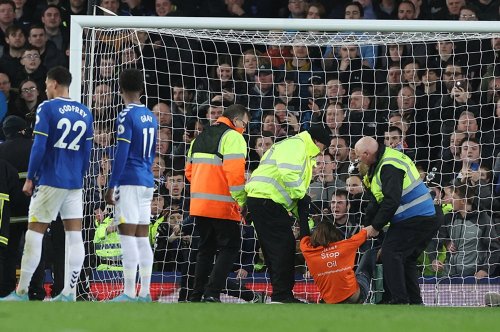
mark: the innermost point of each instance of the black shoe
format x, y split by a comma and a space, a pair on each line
193, 298
210, 299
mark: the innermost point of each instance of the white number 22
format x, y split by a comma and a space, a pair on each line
79, 126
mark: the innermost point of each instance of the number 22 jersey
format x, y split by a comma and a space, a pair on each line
63, 139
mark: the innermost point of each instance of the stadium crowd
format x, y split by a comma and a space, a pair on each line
438, 102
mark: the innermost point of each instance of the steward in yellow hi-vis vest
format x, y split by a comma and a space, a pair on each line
216, 169
276, 188
403, 199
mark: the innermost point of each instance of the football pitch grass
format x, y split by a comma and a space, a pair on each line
201, 317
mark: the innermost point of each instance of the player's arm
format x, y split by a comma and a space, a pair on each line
38, 150
124, 136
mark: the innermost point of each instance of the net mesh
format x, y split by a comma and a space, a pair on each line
422, 93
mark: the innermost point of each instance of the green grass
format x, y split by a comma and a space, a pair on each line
201, 317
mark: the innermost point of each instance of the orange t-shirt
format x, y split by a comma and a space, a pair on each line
332, 266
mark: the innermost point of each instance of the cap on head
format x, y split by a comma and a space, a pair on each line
264, 69
13, 124
320, 134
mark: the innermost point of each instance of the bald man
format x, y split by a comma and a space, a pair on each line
403, 200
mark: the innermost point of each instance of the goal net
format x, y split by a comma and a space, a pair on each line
433, 95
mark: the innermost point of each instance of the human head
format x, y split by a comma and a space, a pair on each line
181, 94
320, 136
366, 150
164, 141
158, 166
157, 205
359, 100
163, 7
58, 78
131, 81
463, 197
13, 124
334, 88
29, 90
102, 97
5, 84
315, 10
334, 116
263, 143
30, 59
339, 205
270, 123
354, 185
325, 165
163, 114
175, 183
238, 114
467, 123
214, 111
317, 87
297, 8
454, 6
111, 5
467, 13
470, 151
406, 11
393, 137
7, 12
15, 38
406, 99
411, 72
339, 148
37, 36
353, 10
325, 233
349, 52
456, 139
51, 17
264, 77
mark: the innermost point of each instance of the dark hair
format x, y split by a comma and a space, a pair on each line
470, 139
131, 80
61, 75
36, 26
31, 48
235, 111
52, 6
358, 4
9, 2
341, 192
345, 138
319, 5
174, 172
394, 128
408, 2
325, 233
12, 30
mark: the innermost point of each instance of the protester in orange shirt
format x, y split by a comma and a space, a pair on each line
330, 260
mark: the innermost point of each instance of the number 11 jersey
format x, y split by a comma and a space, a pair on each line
63, 139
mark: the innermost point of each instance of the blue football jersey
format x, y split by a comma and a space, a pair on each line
136, 126
63, 139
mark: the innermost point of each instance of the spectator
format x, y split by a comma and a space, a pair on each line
9, 94
406, 10
469, 236
258, 145
7, 17
297, 8
177, 197
166, 8
111, 5
325, 181
30, 97
340, 150
24, 14
50, 55
32, 68
163, 114
484, 10
335, 91
352, 72
412, 76
389, 87
270, 123
261, 97
362, 120
135, 8
76, 7
469, 13
287, 120
54, 30
357, 197
452, 10
10, 61
103, 103
318, 101
315, 10
245, 73
334, 117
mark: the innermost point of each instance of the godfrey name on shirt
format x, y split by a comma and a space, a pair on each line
72, 108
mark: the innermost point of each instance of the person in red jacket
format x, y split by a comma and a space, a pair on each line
330, 260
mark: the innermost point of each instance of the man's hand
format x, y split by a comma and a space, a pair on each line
371, 232
109, 196
241, 274
437, 266
28, 187
481, 274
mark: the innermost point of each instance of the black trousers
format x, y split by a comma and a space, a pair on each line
274, 232
10, 258
219, 239
403, 244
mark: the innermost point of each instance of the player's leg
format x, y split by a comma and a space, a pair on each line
127, 217
44, 207
143, 246
72, 215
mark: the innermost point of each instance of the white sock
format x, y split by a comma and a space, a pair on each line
31, 259
145, 264
130, 260
75, 254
